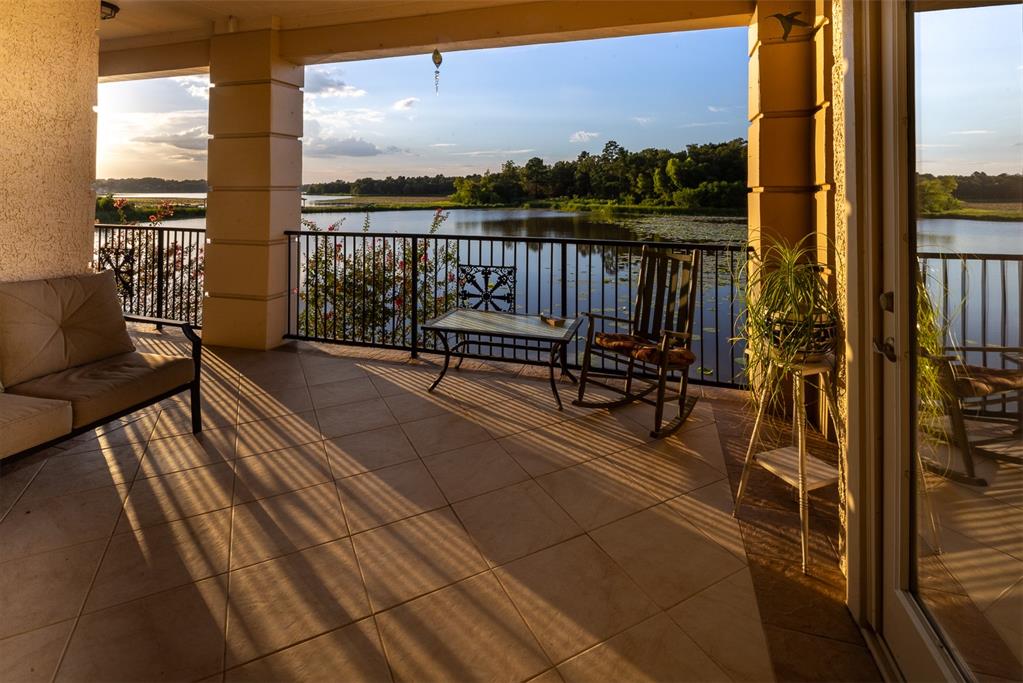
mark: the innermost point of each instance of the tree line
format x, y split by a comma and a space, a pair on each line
940, 194
147, 185
402, 186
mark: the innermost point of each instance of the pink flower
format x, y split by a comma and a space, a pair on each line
152, 218
399, 301
451, 277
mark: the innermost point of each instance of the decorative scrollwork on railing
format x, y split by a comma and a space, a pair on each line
122, 262
488, 288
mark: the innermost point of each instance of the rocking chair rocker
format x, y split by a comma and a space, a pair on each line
657, 337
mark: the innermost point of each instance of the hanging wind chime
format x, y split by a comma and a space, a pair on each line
437, 59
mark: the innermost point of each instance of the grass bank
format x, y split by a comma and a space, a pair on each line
983, 211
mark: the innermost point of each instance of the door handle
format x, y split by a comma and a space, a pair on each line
886, 349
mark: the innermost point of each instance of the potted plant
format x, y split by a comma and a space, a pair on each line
790, 315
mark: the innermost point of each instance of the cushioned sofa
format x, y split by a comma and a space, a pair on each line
67, 364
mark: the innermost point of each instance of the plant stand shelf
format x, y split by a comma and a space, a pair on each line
792, 464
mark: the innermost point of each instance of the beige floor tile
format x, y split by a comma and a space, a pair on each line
258, 405
51, 523
709, 509
350, 653
1006, 615
146, 561
176, 453
16, 475
409, 406
465, 632
665, 554
665, 474
443, 433
986, 520
367, 451
177, 495
325, 369
655, 650
548, 676
472, 470
268, 474
63, 474
341, 392
391, 381
725, 622
573, 596
405, 559
173, 635
511, 416
276, 433
388, 494
554, 447
32, 657
281, 602
276, 376
45, 588
219, 409
596, 492
282, 524
515, 521
136, 433
354, 417
701, 443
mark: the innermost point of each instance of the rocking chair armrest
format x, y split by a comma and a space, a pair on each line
683, 336
612, 318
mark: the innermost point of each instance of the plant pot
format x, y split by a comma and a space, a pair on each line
812, 338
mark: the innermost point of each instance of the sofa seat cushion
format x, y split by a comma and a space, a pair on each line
26, 421
48, 326
112, 385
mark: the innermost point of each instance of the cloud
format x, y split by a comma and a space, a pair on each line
642, 120
491, 152
444, 144
194, 139
703, 124
196, 86
346, 147
582, 136
716, 108
930, 145
975, 131
321, 83
404, 104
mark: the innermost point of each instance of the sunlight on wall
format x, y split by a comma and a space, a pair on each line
47, 147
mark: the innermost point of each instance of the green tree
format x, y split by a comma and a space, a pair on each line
934, 195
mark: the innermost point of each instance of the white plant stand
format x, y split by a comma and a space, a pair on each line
792, 464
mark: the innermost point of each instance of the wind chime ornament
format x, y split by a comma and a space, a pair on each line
437, 59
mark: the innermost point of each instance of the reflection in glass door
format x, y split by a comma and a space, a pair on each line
967, 371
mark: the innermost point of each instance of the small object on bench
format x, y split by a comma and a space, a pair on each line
65, 352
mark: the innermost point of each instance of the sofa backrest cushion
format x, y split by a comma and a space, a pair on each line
51, 325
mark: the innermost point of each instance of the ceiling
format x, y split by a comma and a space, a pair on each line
142, 22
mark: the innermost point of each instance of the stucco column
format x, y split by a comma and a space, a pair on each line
255, 174
781, 115
48, 57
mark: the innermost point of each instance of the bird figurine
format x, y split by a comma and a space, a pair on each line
787, 21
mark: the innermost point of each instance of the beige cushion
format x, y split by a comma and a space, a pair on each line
26, 422
111, 385
51, 325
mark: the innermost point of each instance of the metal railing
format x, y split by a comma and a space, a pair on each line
977, 297
158, 270
375, 289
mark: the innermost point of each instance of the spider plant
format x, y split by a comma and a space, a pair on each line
790, 315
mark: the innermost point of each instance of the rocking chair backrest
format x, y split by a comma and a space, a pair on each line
666, 295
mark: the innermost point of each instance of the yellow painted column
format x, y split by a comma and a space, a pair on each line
255, 176
781, 114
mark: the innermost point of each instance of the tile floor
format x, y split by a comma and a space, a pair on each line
335, 517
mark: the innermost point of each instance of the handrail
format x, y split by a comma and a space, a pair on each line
153, 228
663, 244
958, 256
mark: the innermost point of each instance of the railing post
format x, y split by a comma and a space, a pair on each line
564, 297
159, 275
415, 298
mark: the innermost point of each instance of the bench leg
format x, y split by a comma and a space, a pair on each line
196, 408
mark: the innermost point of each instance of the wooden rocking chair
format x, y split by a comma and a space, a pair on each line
657, 337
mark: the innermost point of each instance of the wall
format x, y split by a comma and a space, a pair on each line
49, 62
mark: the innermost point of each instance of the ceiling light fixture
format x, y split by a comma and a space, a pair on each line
107, 10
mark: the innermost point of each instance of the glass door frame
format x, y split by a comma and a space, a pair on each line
908, 633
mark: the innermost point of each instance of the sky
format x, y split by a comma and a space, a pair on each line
969, 66
382, 117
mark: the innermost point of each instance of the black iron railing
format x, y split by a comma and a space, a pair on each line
377, 289
977, 297
159, 270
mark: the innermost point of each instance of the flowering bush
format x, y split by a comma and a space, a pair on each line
361, 288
